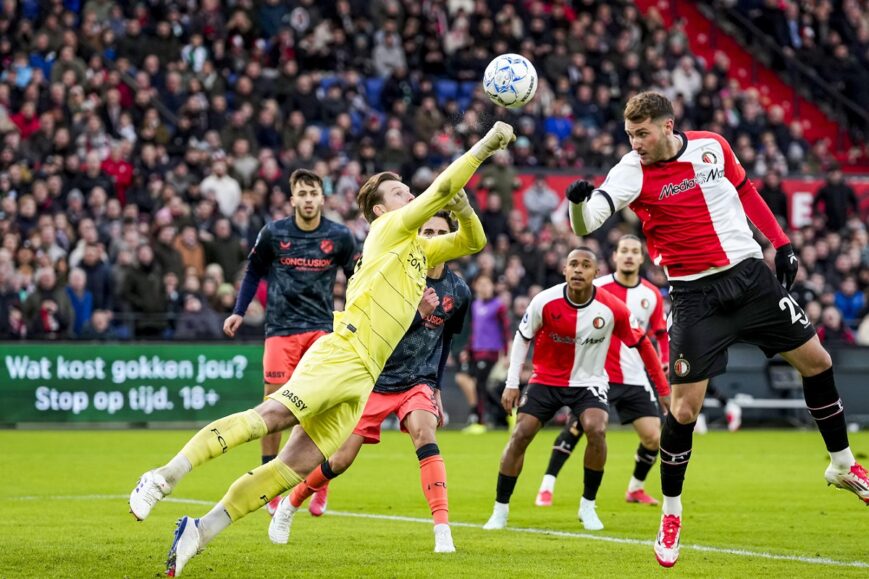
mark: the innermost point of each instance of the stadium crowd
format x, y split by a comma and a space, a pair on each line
145, 144
829, 37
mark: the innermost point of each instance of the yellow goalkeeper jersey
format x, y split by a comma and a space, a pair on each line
385, 290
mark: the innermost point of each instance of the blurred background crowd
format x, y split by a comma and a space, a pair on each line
144, 144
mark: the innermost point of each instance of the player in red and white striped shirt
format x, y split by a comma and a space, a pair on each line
572, 325
695, 201
630, 392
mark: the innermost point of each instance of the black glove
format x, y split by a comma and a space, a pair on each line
786, 265
579, 191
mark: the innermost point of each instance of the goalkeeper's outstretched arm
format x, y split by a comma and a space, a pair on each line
455, 177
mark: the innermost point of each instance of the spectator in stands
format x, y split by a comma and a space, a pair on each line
143, 291
244, 165
11, 322
493, 218
190, 249
540, 202
94, 176
225, 249
222, 188
850, 302
47, 311
48, 243
428, 119
98, 276
838, 198
197, 321
687, 80
99, 328
832, 330
500, 178
388, 55
774, 195
80, 299
119, 169
165, 253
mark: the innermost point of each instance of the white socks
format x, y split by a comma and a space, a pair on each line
843, 459
175, 469
673, 505
635, 485
501, 508
584, 503
548, 483
213, 523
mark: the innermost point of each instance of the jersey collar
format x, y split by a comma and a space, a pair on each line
639, 282
319, 227
580, 306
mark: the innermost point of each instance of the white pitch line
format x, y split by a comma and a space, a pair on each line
526, 530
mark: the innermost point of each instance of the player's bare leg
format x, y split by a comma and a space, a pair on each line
676, 439
813, 363
247, 494
512, 459
270, 443
649, 430
422, 425
210, 442
593, 421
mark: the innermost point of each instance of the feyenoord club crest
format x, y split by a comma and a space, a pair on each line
645, 303
681, 367
447, 304
709, 158
326, 246
598, 323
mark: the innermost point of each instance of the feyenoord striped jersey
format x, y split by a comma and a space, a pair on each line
692, 216
571, 341
623, 364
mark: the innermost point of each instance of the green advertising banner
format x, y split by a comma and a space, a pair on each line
140, 382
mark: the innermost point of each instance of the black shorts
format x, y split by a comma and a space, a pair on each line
542, 402
633, 402
743, 304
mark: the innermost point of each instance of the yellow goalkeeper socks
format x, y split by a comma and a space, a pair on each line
223, 434
257, 487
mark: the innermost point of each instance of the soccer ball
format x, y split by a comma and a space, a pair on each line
510, 80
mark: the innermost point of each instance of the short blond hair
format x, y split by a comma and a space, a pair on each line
370, 195
648, 105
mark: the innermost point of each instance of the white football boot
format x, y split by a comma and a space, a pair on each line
498, 520
279, 527
854, 479
443, 539
184, 546
150, 490
588, 515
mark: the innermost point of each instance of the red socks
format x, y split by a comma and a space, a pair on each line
314, 482
433, 475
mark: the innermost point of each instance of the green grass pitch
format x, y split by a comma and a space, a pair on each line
64, 512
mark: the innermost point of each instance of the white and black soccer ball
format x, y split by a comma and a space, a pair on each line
510, 80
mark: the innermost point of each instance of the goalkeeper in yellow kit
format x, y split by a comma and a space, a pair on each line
328, 390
